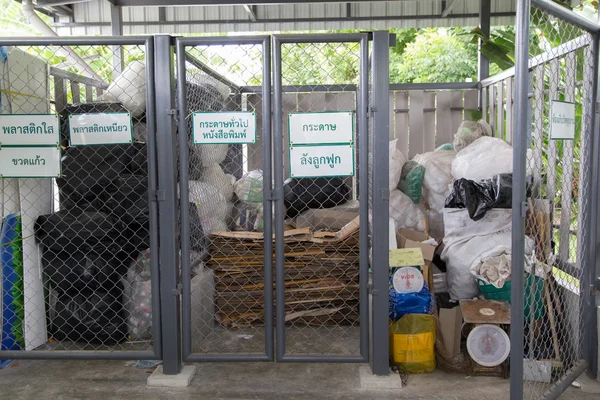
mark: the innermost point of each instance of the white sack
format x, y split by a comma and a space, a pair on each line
435, 224
210, 154
437, 180
129, 88
397, 161
465, 240
214, 210
249, 188
214, 175
405, 213
469, 131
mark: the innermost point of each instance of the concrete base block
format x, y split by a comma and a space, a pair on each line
368, 381
182, 379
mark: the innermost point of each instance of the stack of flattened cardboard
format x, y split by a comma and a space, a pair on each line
321, 276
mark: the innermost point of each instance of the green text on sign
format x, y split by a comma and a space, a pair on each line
29, 130
101, 128
30, 162
562, 120
321, 128
321, 161
224, 127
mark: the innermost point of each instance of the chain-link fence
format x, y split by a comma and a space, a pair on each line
76, 239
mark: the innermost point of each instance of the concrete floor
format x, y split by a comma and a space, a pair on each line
62, 380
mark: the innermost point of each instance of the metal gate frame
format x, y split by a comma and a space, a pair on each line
589, 189
157, 352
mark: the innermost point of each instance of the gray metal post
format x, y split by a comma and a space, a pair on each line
519, 201
380, 203
278, 198
484, 24
116, 27
170, 289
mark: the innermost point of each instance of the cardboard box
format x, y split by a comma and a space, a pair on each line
450, 320
325, 219
408, 238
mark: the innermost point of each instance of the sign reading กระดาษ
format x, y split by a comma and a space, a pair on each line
562, 120
224, 127
320, 128
322, 161
101, 128
29, 130
30, 162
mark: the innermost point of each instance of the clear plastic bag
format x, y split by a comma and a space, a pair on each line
397, 161
411, 181
405, 213
469, 131
437, 178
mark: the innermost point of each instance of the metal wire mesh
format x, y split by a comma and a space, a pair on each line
558, 171
321, 276
75, 250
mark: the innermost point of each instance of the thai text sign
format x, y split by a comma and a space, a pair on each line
224, 127
322, 160
562, 120
30, 162
101, 128
29, 130
321, 128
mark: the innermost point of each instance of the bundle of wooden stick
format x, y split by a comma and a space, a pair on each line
321, 277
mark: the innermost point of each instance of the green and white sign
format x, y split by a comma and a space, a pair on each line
562, 120
30, 162
224, 127
322, 161
29, 130
101, 128
321, 128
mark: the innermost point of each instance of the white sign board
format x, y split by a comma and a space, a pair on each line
101, 128
321, 161
224, 127
29, 130
324, 127
30, 162
562, 120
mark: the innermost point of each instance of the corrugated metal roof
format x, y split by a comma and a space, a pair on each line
93, 18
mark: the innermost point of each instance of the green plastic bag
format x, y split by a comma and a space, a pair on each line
411, 181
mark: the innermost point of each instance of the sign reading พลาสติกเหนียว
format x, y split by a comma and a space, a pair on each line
101, 128
29, 130
237, 127
562, 120
30, 162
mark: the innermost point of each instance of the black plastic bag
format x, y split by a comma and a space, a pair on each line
480, 197
89, 170
73, 229
89, 316
78, 270
301, 194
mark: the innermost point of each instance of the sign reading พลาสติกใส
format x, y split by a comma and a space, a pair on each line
29, 130
321, 144
237, 127
30, 162
101, 128
562, 120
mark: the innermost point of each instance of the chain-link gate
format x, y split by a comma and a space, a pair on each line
79, 235
320, 150
552, 303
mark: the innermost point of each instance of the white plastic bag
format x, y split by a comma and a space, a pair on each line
214, 210
483, 159
437, 180
129, 88
469, 131
137, 298
435, 224
215, 176
405, 213
397, 161
249, 188
211, 154
202, 288
465, 240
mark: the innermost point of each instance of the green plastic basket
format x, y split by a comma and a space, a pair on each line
490, 292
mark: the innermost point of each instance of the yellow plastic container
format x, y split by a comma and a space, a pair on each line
412, 343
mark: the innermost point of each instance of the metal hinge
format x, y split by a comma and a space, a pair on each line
174, 113
385, 194
524, 209
159, 195
597, 107
371, 111
178, 290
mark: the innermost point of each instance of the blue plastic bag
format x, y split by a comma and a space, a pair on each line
409, 303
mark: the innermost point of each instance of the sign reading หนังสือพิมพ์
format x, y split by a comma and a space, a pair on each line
562, 120
237, 127
30, 162
321, 128
29, 130
322, 161
101, 128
